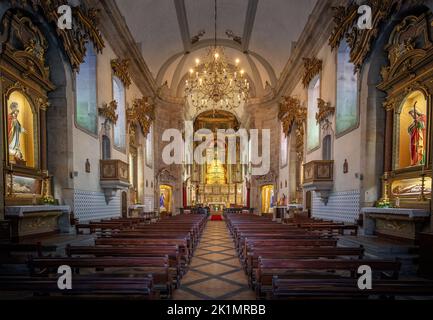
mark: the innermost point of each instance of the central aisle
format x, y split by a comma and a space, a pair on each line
215, 271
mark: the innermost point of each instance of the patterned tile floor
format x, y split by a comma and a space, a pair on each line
215, 271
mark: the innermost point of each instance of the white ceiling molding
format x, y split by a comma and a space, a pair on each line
249, 23
183, 24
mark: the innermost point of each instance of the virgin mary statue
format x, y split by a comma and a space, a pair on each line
15, 130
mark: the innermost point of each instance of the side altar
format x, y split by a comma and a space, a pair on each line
28, 192
405, 202
395, 222
36, 220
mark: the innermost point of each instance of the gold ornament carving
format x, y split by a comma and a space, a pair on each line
120, 69
312, 67
360, 41
142, 113
84, 28
43, 104
410, 43
325, 110
291, 112
109, 111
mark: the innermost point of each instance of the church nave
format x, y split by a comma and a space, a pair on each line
215, 271
170, 150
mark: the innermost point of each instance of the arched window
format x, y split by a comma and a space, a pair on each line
106, 148
120, 127
327, 148
283, 147
86, 110
347, 92
312, 125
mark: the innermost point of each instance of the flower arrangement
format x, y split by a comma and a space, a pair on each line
384, 203
48, 199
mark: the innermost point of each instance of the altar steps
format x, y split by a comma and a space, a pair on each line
381, 248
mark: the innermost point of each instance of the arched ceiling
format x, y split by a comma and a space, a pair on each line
266, 30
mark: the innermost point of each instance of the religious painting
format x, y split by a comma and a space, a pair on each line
21, 131
20, 185
86, 109
412, 143
410, 187
165, 194
268, 199
313, 129
347, 92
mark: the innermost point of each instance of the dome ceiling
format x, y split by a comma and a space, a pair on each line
173, 33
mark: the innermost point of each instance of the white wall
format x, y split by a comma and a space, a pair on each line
89, 201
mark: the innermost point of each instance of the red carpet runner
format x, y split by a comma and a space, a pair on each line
216, 217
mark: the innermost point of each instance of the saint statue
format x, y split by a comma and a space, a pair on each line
417, 132
15, 130
162, 202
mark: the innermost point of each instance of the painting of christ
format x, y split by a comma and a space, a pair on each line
417, 132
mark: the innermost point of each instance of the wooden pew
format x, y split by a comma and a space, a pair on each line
155, 266
252, 242
82, 287
293, 268
18, 253
156, 251
128, 242
283, 289
296, 253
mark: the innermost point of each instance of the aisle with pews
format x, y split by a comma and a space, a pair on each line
130, 259
301, 260
215, 271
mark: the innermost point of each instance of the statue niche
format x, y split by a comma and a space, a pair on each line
407, 82
26, 83
21, 134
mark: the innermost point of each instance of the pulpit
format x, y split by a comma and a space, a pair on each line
114, 175
319, 177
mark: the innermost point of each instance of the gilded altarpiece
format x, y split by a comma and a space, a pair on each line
25, 85
407, 80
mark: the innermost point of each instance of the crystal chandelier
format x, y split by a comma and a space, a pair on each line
215, 83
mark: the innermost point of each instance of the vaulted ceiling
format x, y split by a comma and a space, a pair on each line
258, 32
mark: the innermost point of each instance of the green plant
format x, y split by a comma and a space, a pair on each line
384, 203
48, 200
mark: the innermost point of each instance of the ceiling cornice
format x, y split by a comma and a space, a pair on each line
118, 35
